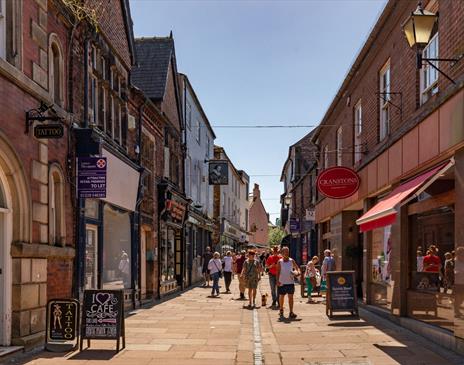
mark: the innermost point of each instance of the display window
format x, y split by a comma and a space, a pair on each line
116, 249
381, 258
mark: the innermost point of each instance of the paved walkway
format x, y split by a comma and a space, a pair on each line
194, 329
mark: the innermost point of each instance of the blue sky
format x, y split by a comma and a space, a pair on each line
261, 62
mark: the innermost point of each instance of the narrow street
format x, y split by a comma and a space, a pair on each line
194, 329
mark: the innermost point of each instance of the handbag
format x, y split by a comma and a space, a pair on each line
219, 270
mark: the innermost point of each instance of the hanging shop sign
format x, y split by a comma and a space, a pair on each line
48, 131
341, 292
103, 316
338, 182
62, 324
294, 225
91, 177
176, 210
218, 172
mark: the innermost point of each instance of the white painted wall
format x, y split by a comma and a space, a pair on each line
200, 148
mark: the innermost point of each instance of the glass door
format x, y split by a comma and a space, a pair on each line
91, 257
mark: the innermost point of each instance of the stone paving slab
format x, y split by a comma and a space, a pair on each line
192, 329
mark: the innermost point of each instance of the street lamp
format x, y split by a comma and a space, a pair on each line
418, 31
288, 200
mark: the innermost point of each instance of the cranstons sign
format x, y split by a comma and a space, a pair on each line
338, 182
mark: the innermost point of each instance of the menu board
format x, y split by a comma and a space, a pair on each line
103, 315
62, 319
341, 292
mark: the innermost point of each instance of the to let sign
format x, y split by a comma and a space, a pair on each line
47, 131
338, 182
91, 177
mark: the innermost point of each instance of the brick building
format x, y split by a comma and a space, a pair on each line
400, 128
156, 75
258, 219
299, 197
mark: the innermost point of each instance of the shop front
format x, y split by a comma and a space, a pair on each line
198, 230
232, 238
416, 255
172, 252
111, 239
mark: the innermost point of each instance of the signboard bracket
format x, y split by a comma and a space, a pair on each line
37, 115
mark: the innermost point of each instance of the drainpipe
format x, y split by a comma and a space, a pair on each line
80, 209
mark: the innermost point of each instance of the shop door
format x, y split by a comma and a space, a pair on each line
179, 258
91, 256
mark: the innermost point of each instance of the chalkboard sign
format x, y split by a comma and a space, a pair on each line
103, 316
62, 323
341, 292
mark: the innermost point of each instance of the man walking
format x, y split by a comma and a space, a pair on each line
239, 267
271, 264
287, 270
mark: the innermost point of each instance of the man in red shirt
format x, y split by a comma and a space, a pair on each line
271, 264
238, 270
432, 262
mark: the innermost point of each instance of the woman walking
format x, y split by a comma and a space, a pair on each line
310, 276
215, 270
228, 261
251, 272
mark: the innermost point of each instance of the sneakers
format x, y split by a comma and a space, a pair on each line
281, 314
292, 315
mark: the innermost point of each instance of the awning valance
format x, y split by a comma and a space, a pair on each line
384, 212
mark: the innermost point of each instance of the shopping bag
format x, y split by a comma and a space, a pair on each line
323, 285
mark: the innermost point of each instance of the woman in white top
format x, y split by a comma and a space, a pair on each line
287, 270
310, 276
215, 271
228, 261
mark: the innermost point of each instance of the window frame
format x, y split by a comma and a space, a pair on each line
426, 91
358, 127
384, 109
339, 146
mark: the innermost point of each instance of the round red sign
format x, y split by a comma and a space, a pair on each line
338, 182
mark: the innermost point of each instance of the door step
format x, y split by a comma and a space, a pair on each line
9, 350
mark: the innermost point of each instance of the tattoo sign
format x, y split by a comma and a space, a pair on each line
62, 320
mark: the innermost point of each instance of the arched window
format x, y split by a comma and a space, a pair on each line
55, 70
56, 217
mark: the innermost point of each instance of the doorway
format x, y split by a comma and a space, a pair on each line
91, 256
6, 227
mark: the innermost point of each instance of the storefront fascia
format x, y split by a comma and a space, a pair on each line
111, 237
172, 251
232, 237
407, 228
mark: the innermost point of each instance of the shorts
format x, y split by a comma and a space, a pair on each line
286, 289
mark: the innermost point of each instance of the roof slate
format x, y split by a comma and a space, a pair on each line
153, 56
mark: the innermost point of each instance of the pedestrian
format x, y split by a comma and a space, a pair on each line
432, 262
227, 262
328, 264
310, 276
271, 264
287, 270
215, 270
238, 270
251, 271
207, 256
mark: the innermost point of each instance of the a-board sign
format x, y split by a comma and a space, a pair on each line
103, 316
341, 292
62, 324
47, 131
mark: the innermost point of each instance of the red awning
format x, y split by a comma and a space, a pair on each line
384, 212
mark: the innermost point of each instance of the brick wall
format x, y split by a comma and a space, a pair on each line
59, 278
390, 44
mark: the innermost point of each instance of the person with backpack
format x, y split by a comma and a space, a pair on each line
215, 270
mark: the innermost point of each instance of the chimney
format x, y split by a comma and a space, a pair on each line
256, 192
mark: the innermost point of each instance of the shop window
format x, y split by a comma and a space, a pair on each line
382, 250
167, 254
56, 216
357, 132
116, 249
339, 148
384, 87
55, 70
428, 74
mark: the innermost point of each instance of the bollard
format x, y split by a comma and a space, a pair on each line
303, 281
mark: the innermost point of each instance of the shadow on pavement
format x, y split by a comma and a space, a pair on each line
94, 355
349, 324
